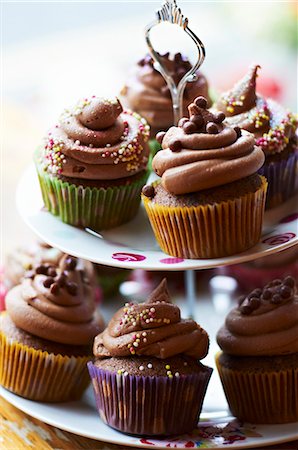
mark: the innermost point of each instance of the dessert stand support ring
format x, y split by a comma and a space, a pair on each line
172, 14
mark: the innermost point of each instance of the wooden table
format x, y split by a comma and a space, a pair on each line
18, 431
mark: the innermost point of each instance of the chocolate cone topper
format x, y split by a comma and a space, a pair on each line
201, 120
242, 97
100, 113
160, 293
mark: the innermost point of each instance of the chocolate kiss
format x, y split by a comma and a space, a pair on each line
100, 113
160, 293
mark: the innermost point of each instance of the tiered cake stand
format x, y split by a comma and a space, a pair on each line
133, 246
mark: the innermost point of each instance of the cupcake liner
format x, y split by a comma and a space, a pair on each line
39, 375
282, 179
269, 397
209, 231
96, 208
149, 405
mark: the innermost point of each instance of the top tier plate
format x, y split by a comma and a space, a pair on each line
133, 245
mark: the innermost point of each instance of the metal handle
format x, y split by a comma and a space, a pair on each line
172, 14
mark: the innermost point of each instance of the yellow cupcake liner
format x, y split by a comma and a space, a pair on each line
265, 397
39, 375
209, 231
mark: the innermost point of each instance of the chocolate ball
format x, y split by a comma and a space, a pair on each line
148, 191
285, 291
276, 299
55, 289
201, 102
175, 146
219, 117
41, 270
211, 128
256, 293
51, 272
70, 263
245, 308
160, 135
189, 127
254, 302
267, 294
182, 121
48, 282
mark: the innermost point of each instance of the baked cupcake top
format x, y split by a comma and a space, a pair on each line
153, 328
271, 124
265, 323
204, 152
97, 140
56, 302
147, 92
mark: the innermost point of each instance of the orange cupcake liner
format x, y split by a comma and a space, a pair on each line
209, 231
39, 375
267, 397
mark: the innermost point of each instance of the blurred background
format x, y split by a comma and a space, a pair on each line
55, 53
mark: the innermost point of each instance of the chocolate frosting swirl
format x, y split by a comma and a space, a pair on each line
265, 323
147, 93
56, 303
153, 328
96, 140
271, 124
203, 152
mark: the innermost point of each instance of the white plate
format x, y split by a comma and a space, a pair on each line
133, 245
81, 418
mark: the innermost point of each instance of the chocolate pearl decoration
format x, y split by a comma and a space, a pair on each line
48, 282
61, 280
51, 272
285, 291
289, 281
182, 122
175, 146
267, 294
54, 289
219, 117
148, 191
201, 102
189, 127
41, 270
160, 136
246, 308
276, 299
254, 302
211, 128
70, 263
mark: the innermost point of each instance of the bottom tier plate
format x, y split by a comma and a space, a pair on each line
215, 430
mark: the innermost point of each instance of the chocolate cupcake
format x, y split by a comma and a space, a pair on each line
147, 377
275, 132
147, 92
259, 363
210, 200
94, 163
47, 332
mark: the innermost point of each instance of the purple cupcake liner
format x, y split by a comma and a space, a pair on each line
282, 179
149, 406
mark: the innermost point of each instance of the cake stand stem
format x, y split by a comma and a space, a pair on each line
190, 287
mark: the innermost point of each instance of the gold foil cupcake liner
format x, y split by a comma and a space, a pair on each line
209, 231
268, 397
39, 375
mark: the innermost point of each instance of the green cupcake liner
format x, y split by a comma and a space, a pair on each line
86, 207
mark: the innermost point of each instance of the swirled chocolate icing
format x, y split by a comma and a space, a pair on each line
265, 323
55, 303
147, 92
97, 140
204, 152
271, 124
153, 328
